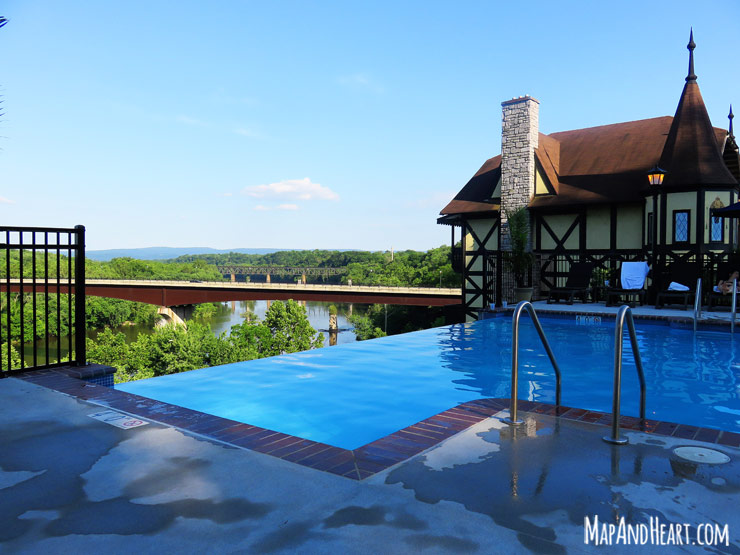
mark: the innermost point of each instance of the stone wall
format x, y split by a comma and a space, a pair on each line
519, 138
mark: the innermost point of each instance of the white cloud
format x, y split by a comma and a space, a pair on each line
361, 81
4, 200
225, 194
293, 189
260, 208
287, 207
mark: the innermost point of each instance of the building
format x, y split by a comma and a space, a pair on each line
589, 198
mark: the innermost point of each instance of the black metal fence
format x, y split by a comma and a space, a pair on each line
554, 268
40, 268
499, 282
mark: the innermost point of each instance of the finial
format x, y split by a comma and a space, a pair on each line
691, 76
730, 116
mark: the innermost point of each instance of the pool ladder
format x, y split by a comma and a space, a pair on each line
697, 303
734, 305
513, 420
624, 314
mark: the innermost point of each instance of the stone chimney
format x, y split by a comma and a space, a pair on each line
519, 138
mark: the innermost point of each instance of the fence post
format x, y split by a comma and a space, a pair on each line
80, 327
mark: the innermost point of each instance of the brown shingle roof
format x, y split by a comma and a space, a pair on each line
548, 155
609, 149
600, 164
692, 154
476, 195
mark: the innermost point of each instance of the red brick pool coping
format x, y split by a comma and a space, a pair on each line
356, 464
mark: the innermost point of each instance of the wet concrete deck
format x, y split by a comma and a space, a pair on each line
73, 484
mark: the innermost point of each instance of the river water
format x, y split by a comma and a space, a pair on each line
228, 314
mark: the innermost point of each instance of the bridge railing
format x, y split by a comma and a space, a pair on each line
38, 266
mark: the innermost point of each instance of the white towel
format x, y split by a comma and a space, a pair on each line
677, 287
634, 274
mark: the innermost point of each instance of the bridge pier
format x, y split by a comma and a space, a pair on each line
174, 315
267, 278
233, 277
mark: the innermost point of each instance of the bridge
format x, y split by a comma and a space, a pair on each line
177, 293
267, 271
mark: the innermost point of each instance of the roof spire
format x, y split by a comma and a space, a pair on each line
730, 116
691, 76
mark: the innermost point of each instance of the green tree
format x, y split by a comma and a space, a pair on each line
290, 329
172, 348
15, 358
365, 328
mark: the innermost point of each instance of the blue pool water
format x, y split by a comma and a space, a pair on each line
352, 394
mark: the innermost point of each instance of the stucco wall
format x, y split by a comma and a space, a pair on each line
629, 227
598, 227
680, 201
709, 198
559, 223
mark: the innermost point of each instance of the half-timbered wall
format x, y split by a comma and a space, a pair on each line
711, 199
558, 232
629, 227
481, 239
598, 226
680, 201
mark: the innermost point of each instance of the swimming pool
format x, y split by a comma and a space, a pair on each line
350, 395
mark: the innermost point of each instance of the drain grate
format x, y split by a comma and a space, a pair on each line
701, 455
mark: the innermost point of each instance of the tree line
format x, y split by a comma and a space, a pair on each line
54, 315
400, 269
172, 349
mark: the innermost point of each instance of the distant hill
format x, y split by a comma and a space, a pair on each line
164, 253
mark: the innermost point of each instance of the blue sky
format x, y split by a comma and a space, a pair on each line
314, 124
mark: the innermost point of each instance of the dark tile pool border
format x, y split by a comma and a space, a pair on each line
356, 464
682, 322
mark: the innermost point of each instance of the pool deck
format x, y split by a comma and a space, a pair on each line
74, 484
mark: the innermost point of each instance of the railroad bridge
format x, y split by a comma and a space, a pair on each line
239, 270
173, 294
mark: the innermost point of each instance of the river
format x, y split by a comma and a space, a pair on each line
227, 315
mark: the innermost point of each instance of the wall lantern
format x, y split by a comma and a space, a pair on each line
656, 175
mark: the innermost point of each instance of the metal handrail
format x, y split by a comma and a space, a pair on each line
734, 305
515, 359
625, 313
697, 302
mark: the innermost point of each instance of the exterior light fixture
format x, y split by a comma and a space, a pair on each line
656, 175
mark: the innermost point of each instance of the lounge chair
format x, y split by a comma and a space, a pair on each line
631, 283
715, 297
681, 285
579, 278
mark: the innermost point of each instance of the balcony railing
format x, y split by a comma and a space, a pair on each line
51, 260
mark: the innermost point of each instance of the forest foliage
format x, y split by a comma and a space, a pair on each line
173, 349
176, 348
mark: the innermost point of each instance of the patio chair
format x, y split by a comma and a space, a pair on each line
579, 278
631, 283
681, 285
716, 297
